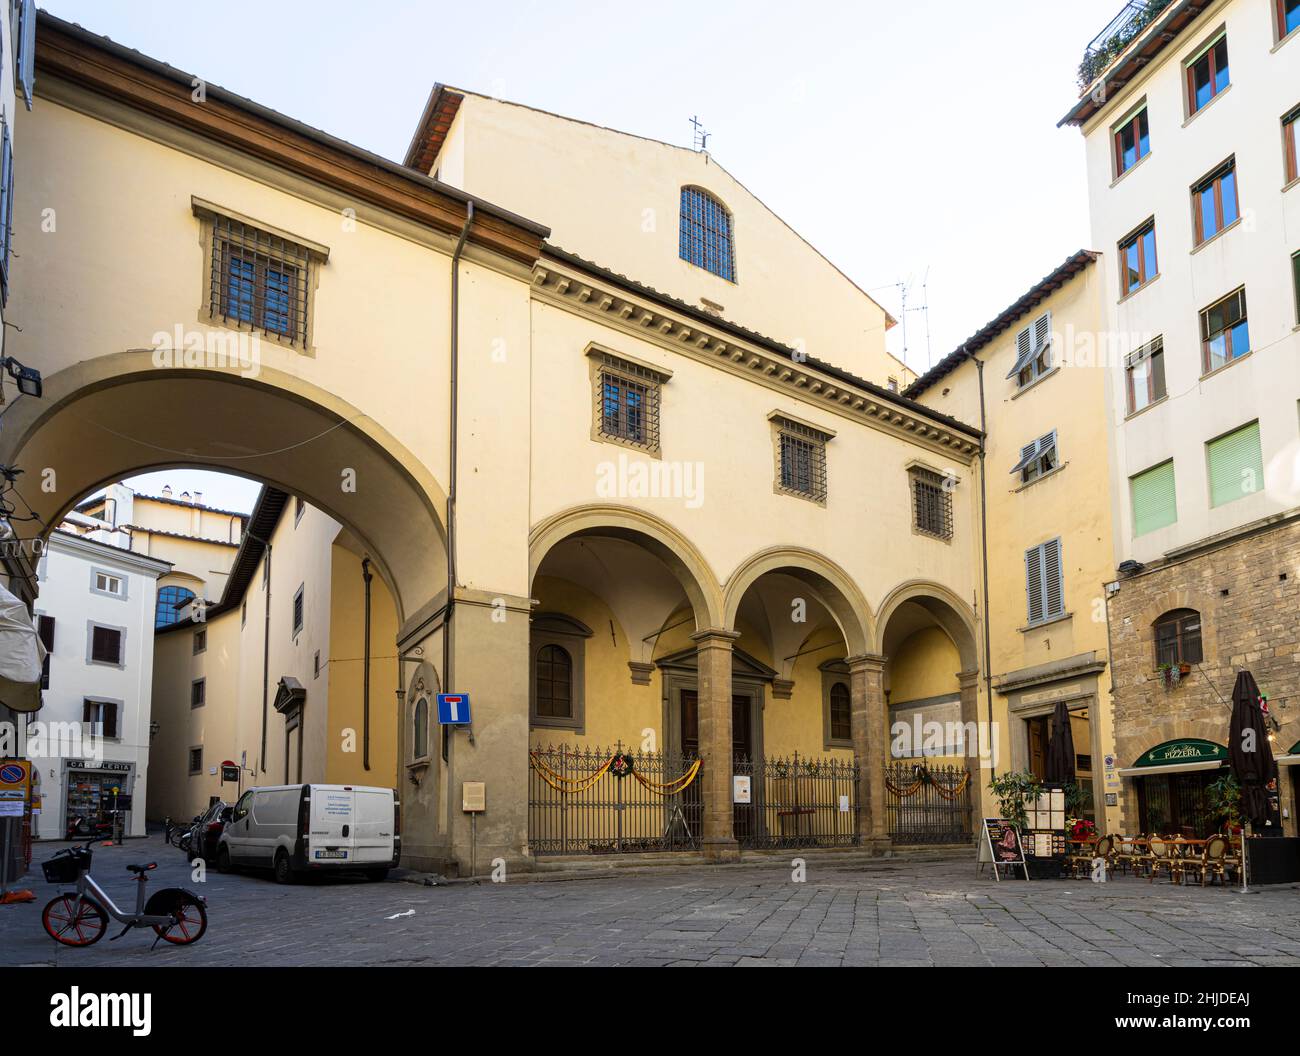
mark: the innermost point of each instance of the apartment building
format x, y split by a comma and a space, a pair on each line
1032, 378
1189, 114
95, 615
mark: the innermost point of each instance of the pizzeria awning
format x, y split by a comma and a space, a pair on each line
1177, 757
22, 656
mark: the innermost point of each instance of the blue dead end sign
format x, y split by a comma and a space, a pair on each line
453, 709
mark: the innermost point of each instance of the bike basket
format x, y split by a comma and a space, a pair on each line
65, 868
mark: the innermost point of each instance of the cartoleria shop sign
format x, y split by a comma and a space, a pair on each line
1189, 750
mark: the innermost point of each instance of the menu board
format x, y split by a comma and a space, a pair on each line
1000, 847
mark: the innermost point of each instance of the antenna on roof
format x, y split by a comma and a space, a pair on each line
701, 136
924, 309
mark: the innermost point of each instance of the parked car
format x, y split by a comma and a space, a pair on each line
298, 829
206, 832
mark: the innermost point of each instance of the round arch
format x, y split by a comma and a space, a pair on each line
952, 614
115, 416
680, 556
835, 586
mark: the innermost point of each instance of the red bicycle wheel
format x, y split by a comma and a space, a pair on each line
189, 916
73, 921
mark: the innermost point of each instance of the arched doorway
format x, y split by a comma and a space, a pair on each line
930, 684
622, 601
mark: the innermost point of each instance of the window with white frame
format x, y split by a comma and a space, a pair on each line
108, 583
1033, 351
1037, 458
1044, 582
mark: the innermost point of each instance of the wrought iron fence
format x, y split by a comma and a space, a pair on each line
798, 802
1120, 31
592, 800
926, 804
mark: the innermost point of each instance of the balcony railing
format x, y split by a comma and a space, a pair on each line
1106, 46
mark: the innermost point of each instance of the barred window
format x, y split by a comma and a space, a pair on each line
258, 278
627, 401
801, 459
931, 504
705, 234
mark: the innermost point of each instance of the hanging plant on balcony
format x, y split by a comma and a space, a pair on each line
1171, 675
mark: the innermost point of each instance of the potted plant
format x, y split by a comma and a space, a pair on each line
1014, 791
1081, 829
1172, 674
1224, 795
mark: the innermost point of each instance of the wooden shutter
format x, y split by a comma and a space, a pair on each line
1053, 580
109, 711
45, 631
1034, 583
1042, 329
1236, 466
1155, 502
26, 69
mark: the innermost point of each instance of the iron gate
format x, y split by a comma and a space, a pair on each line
611, 801
928, 804
798, 802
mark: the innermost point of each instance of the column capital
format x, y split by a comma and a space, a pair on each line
715, 638
966, 679
866, 662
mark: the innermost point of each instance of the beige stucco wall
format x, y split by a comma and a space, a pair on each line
614, 198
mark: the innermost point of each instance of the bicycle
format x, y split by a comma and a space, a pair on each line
176, 915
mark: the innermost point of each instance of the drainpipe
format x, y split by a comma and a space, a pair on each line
447, 681
266, 648
984, 553
366, 577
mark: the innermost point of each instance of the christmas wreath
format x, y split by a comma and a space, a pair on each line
621, 765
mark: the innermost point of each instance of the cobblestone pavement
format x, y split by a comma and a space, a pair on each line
890, 912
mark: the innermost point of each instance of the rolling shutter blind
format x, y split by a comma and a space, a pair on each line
1154, 499
1236, 465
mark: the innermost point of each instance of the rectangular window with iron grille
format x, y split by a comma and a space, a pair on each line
800, 459
931, 504
258, 278
627, 401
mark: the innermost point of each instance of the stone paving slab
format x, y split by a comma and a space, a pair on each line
909, 914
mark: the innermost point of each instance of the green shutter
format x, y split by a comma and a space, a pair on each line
1154, 501
1236, 465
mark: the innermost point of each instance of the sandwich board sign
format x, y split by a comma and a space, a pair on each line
1000, 847
453, 709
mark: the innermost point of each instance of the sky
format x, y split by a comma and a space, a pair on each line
911, 142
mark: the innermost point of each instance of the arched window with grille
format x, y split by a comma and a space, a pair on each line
706, 234
420, 735
171, 600
1178, 638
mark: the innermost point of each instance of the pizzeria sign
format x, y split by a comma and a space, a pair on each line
1188, 750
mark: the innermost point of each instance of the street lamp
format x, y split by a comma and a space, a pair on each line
27, 378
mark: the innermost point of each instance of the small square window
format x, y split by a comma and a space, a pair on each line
800, 459
105, 645
627, 398
108, 583
1037, 458
931, 504
101, 714
196, 761
200, 641
198, 693
1033, 352
298, 610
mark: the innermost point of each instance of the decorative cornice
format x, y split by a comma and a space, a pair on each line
583, 294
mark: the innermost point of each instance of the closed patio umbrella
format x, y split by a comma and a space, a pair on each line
22, 656
1250, 754
1059, 768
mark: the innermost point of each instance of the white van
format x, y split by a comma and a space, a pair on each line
295, 829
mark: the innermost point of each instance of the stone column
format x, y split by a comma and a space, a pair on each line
713, 686
870, 746
969, 683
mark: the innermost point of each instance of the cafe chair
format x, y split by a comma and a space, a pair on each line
1128, 854
1162, 857
1081, 863
1212, 861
